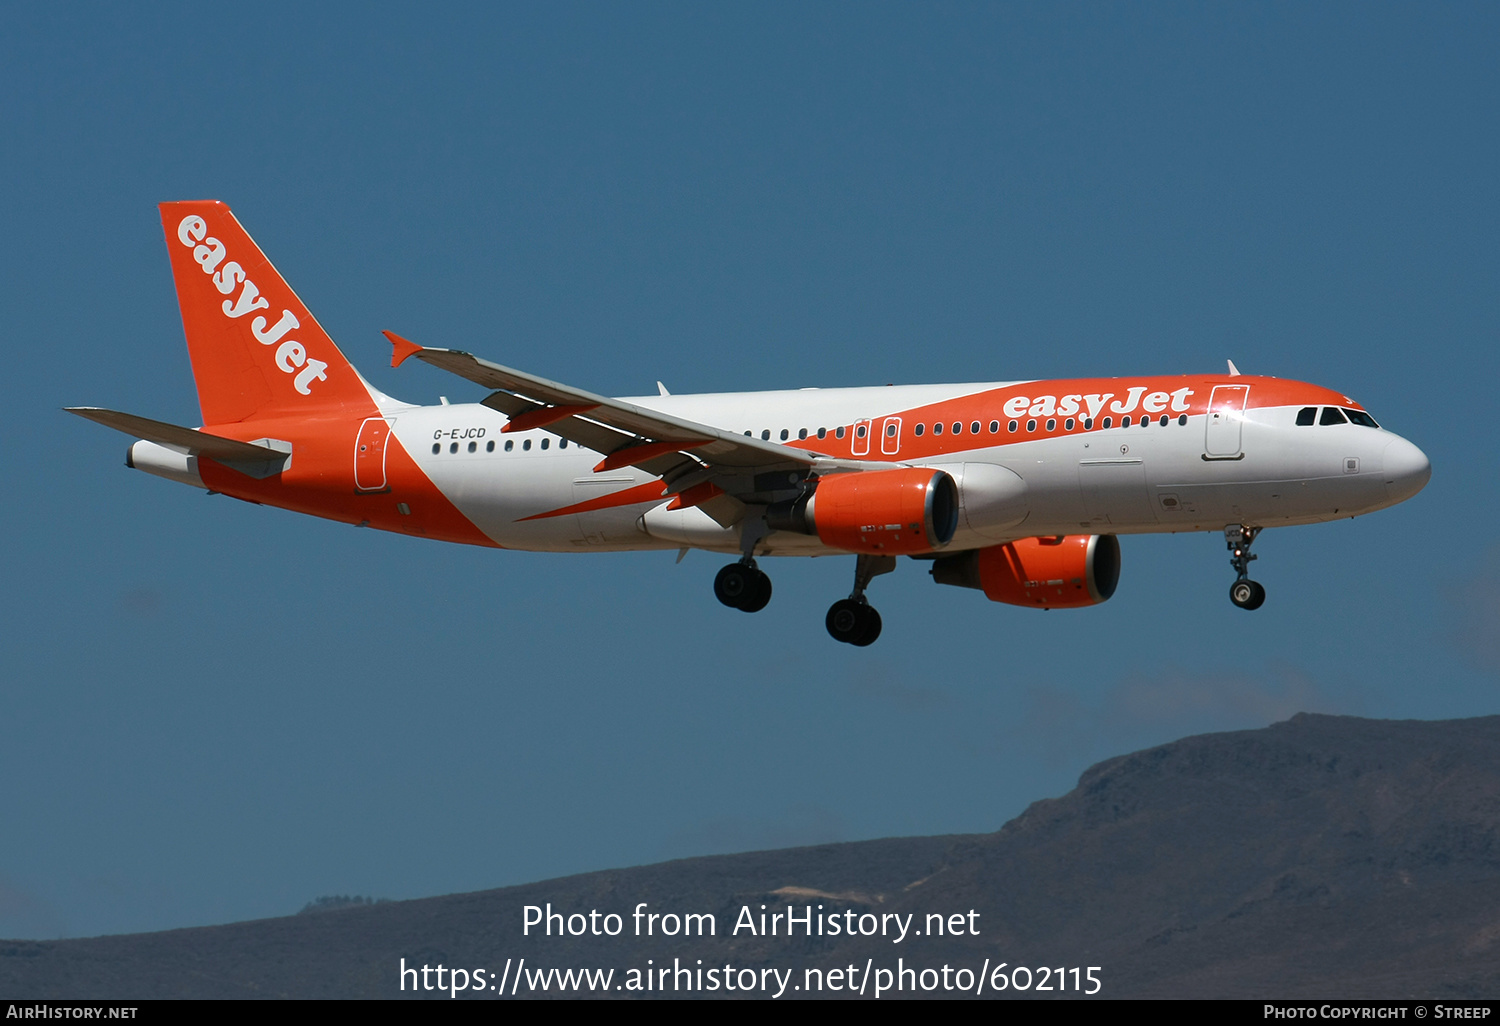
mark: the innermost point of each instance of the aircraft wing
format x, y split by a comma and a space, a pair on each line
718, 470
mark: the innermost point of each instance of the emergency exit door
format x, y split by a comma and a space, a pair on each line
369, 455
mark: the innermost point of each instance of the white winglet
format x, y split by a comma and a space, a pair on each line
1234, 371
662, 388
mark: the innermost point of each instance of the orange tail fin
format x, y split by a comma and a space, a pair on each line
256, 350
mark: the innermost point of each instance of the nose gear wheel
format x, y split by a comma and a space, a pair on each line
1244, 592
1247, 594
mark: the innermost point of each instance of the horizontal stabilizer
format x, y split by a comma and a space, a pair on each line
188, 440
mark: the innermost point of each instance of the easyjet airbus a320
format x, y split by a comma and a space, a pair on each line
1017, 489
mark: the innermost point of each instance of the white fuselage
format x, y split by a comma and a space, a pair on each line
1117, 480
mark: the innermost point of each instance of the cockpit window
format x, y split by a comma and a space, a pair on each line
1306, 415
1362, 418
1332, 415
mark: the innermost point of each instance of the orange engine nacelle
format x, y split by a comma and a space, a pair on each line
1053, 573
877, 512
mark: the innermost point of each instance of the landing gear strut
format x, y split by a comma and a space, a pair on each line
853, 620
743, 585
1244, 592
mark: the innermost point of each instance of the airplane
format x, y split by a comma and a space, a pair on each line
1018, 489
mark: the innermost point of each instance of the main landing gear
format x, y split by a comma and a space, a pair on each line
853, 620
1244, 592
743, 586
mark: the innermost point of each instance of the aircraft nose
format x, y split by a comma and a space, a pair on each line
1406, 469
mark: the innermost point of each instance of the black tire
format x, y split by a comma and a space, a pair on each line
845, 621
734, 584
1247, 594
759, 594
872, 627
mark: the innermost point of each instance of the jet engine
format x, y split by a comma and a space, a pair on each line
876, 512
1054, 573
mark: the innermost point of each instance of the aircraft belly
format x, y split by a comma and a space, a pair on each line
1114, 492
1051, 482
1279, 480
494, 490
692, 528
993, 499
608, 526
499, 500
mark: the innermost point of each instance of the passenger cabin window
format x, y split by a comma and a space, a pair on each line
822, 432
958, 428
994, 427
802, 432
1332, 415
1182, 420
510, 443
1306, 416
838, 432
489, 446
974, 428
937, 429
1124, 421
473, 446
783, 434
765, 436
453, 447
1361, 418
1107, 422
1013, 425
526, 445
1088, 423
546, 442
919, 429
1031, 425
437, 447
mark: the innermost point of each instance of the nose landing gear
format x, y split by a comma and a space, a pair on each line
1244, 592
853, 620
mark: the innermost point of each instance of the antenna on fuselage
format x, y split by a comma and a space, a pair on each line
1234, 371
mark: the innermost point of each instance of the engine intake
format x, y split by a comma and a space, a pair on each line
1053, 573
886, 512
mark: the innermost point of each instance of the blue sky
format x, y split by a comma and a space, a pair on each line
211, 711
